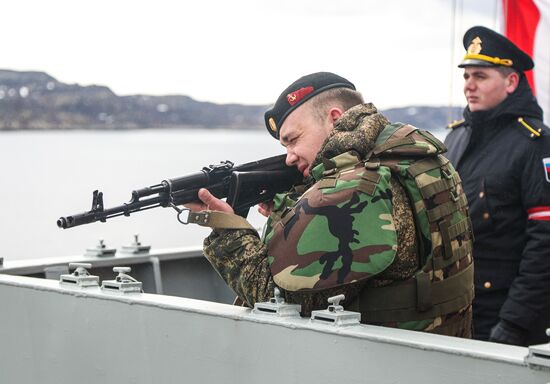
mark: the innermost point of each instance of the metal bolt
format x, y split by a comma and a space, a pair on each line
80, 269
277, 299
122, 269
80, 265
136, 239
101, 243
335, 300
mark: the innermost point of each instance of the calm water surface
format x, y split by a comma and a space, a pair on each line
45, 175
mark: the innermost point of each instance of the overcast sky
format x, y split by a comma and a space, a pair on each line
397, 52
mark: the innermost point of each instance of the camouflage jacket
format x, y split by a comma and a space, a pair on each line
245, 263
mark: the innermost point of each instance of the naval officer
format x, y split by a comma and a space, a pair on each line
502, 151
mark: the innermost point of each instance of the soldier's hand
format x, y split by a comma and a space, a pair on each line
507, 333
209, 202
265, 208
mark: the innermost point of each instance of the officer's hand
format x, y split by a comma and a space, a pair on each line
265, 208
507, 333
209, 202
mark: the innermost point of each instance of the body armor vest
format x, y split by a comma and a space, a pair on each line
341, 231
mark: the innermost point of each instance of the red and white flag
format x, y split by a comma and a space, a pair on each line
527, 24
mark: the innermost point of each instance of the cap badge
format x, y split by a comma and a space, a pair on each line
294, 98
272, 124
475, 46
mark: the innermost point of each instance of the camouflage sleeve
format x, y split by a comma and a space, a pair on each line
240, 258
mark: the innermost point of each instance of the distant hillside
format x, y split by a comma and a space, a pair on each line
430, 118
36, 100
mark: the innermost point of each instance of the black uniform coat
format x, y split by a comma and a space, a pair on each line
508, 190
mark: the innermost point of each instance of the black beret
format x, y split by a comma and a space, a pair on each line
486, 48
298, 93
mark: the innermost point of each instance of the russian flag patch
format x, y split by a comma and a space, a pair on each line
546, 163
538, 213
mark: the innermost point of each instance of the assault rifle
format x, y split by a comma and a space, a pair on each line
243, 185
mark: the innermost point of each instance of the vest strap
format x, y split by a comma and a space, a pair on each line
405, 130
460, 228
458, 253
372, 176
423, 291
440, 185
367, 187
367, 183
448, 234
447, 208
327, 182
400, 132
446, 241
287, 215
394, 132
453, 327
400, 302
434, 141
425, 165
393, 143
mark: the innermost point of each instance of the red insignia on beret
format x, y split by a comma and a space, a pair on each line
296, 96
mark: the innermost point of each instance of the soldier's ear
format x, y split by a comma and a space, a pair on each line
512, 81
335, 113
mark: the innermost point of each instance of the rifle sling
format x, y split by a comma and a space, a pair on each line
219, 220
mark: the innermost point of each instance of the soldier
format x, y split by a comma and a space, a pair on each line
502, 151
352, 229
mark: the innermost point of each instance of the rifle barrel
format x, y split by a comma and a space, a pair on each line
124, 209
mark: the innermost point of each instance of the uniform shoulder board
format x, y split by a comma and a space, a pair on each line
534, 129
456, 124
